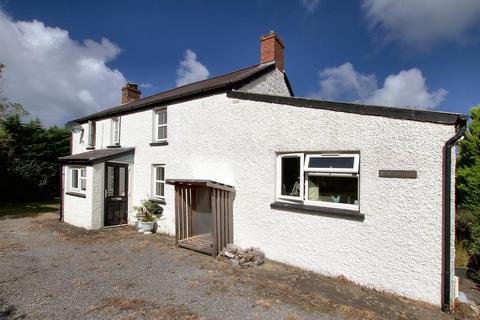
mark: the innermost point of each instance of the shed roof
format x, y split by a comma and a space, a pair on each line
200, 182
95, 156
223, 83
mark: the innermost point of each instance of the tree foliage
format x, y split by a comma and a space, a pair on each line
468, 191
28, 155
468, 167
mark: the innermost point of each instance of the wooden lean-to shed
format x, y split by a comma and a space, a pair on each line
203, 214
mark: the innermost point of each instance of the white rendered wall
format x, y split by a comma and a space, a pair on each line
271, 83
77, 210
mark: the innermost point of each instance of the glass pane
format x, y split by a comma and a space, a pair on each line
121, 182
290, 176
162, 133
75, 178
333, 189
110, 181
83, 173
162, 117
160, 173
331, 162
159, 189
116, 137
83, 184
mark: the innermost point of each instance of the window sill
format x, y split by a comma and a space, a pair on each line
76, 194
159, 143
158, 200
90, 148
317, 210
114, 146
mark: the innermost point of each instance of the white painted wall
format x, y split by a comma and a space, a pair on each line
76, 210
398, 247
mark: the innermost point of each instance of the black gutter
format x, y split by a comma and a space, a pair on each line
447, 211
362, 109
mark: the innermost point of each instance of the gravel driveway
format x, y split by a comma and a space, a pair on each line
50, 270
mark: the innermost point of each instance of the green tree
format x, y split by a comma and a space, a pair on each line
468, 166
28, 154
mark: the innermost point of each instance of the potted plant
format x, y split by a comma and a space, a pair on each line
462, 258
147, 215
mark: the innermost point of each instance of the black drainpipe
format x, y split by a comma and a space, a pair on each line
461, 126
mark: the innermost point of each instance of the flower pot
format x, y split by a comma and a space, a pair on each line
146, 226
461, 272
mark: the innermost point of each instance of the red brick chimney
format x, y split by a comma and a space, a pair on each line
271, 49
130, 92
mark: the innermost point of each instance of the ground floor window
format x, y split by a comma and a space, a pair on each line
158, 188
324, 179
78, 179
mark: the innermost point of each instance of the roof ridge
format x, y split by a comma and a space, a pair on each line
200, 81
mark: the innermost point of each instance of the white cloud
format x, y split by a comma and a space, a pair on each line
406, 89
147, 85
344, 83
422, 23
190, 69
310, 5
55, 77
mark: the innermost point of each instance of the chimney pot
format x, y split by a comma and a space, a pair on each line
272, 50
130, 92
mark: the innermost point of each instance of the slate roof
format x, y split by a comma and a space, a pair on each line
223, 83
95, 156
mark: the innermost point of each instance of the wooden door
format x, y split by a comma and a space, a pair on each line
116, 194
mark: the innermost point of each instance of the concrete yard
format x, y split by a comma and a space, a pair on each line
50, 270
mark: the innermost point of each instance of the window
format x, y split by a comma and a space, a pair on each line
116, 131
160, 133
290, 172
158, 188
319, 179
78, 179
91, 134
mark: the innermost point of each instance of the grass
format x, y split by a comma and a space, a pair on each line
29, 208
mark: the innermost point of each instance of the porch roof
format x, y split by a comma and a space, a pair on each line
95, 156
200, 182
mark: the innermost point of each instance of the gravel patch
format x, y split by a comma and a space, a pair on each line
51, 270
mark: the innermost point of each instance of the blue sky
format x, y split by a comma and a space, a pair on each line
421, 53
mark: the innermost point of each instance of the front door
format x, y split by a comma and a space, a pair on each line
116, 194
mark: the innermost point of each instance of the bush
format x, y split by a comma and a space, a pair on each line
149, 211
462, 257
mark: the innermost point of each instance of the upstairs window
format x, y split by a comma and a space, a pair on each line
160, 130
78, 179
91, 134
116, 131
158, 188
330, 180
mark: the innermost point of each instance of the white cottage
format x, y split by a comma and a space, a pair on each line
362, 191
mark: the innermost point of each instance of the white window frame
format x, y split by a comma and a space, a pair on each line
80, 178
354, 169
306, 171
160, 125
155, 181
279, 176
91, 134
114, 131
